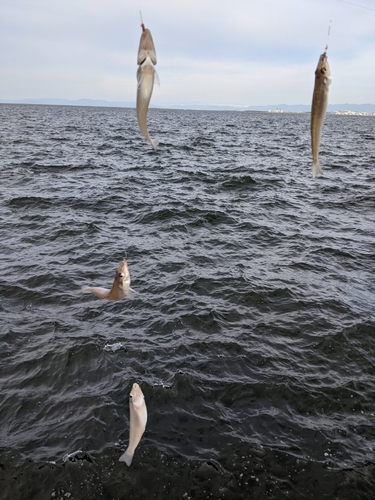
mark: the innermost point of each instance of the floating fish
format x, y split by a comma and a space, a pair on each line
146, 76
120, 287
318, 108
138, 420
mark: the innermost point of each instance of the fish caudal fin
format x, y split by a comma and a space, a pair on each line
316, 169
126, 457
155, 144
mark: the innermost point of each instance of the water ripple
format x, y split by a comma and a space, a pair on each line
252, 327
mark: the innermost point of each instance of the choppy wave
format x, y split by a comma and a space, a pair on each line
252, 327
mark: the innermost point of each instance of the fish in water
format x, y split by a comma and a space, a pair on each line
318, 108
146, 76
120, 287
138, 420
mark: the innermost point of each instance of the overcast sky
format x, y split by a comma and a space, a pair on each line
236, 52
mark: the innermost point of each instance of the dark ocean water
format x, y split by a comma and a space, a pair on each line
252, 330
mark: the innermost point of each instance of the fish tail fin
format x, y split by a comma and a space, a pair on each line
85, 289
316, 169
126, 457
155, 144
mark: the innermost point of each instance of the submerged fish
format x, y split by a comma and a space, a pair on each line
120, 287
138, 420
318, 108
146, 75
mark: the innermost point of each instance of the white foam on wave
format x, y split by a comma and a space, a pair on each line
71, 455
113, 347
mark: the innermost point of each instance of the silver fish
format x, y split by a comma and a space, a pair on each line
146, 76
138, 420
120, 287
318, 108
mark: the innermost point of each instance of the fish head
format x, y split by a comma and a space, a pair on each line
146, 47
136, 397
122, 277
323, 71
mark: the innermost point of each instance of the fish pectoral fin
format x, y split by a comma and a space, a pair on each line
156, 79
130, 294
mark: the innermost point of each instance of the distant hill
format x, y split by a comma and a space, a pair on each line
366, 108
71, 102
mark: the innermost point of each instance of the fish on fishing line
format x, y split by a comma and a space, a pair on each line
146, 77
319, 108
138, 421
120, 287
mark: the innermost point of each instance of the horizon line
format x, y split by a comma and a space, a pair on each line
131, 104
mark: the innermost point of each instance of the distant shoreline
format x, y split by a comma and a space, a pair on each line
341, 109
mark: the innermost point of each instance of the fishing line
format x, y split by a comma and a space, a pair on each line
357, 5
142, 25
350, 3
331, 12
329, 32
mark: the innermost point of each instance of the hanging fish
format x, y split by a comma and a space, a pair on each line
146, 76
318, 108
120, 286
138, 421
